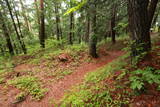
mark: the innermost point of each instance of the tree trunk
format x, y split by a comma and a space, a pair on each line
87, 29
15, 27
42, 25
60, 27
141, 14
151, 11
57, 21
71, 29
93, 35
112, 23
155, 17
138, 25
18, 22
6, 34
61, 33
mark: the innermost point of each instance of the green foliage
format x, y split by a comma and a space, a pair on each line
92, 93
122, 74
137, 52
73, 9
30, 85
121, 27
141, 77
6, 63
96, 96
76, 48
102, 73
53, 48
6, 67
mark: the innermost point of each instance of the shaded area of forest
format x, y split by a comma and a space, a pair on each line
80, 53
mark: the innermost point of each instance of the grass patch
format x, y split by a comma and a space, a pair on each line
30, 85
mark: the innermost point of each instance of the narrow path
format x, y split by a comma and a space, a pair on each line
57, 90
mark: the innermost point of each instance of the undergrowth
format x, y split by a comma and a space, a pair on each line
141, 77
93, 93
53, 49
30, 85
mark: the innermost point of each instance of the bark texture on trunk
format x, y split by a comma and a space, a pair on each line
58, 27
113, 24
42, 24
88, 23
71, 33
93, 35
138, 25
6, 35
18, 21
16, 29
151, 11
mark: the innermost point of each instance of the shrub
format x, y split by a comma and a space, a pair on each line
140, 78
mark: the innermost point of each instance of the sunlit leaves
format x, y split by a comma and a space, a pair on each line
80, 5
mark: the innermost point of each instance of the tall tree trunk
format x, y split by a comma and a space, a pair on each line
15, 47
87, 28
71, 33
42, 25
151, 11
61, 33
141, 14
57, 21
15, 27
71, 29
6, 34
18, 22
113, 23
138, 25
93, 35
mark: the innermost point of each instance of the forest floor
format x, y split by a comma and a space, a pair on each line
44, 79
55, 75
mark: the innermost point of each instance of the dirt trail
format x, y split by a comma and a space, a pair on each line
57, 90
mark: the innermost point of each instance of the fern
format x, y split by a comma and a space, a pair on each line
140, 77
